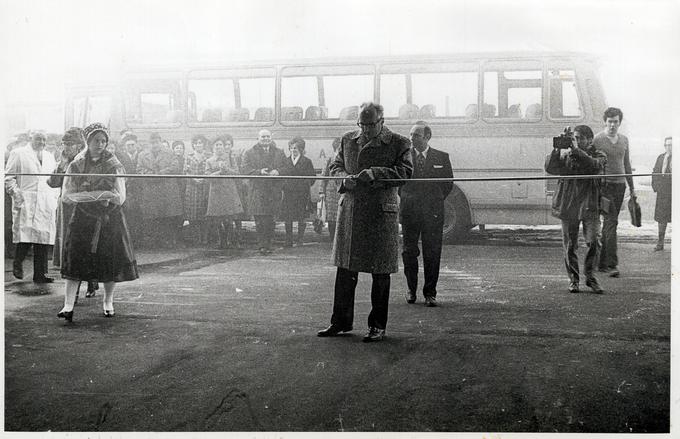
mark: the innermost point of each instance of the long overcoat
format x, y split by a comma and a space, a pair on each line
159, 197
264, 197
663, 186
223, 197
367, 231
35, 219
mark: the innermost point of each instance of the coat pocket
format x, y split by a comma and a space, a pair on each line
390, 207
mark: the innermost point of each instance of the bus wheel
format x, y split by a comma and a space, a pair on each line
457, 218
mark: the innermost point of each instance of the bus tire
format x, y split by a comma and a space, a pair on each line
457, 217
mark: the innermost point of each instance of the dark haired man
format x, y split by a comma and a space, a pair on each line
422, 213
367, 234
615, 147
577, 201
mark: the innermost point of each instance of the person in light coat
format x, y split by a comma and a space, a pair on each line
34, 206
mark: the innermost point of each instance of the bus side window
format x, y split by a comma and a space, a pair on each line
564, 99
508, 92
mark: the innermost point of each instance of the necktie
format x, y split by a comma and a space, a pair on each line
420, 162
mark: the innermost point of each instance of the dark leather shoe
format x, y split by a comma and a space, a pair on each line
333, 330
374, 334
18, 271
613, 272
573, 287
43, 280
410, 297
430, 301
593, 285
66, 315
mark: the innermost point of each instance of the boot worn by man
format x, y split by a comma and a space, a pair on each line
594, 285
374, 334
333, 330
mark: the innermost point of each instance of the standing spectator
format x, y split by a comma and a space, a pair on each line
296, 198
367, 237
97, 243
615, 147
328, 190
196, 193
34, 206
120, 151
72, 143
578, 201
264, 158
160, 199
178, 151
132, 148
422, 213
223, 200
662, 184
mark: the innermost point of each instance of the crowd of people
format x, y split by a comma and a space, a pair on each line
94, 219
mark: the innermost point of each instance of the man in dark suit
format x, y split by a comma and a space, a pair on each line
422, 213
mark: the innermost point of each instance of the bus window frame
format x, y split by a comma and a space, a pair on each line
581, 89
235, 75
523, 65
410, 68
138, 91
317, 71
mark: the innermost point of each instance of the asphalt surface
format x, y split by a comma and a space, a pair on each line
227, 342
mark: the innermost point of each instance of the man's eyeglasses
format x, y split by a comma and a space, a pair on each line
369, 125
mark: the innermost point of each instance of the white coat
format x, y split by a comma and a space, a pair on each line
34, 220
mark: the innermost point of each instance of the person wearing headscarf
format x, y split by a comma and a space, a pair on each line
97, 242
71, 144
34, 205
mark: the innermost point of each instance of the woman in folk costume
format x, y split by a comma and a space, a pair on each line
97, 242
224, 200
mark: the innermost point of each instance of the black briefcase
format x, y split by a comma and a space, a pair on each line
635, 212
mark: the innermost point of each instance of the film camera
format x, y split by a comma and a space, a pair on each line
564, 140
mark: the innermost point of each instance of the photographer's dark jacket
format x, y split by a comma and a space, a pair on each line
576, 199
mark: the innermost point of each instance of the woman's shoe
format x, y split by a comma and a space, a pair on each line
109, 312
67, 315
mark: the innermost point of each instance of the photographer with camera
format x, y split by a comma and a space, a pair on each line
577, 200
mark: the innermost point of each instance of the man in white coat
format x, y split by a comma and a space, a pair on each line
34, 205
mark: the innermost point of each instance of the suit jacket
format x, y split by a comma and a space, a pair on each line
428, 198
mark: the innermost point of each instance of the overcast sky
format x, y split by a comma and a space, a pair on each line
50, 42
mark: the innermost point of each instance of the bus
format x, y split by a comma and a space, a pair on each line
494, 113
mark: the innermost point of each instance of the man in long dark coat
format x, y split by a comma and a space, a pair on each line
264, 158
367, 234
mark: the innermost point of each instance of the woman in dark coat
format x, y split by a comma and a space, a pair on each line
296, 197
97, 241
662, 185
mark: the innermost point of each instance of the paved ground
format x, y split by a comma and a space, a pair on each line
226, 342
